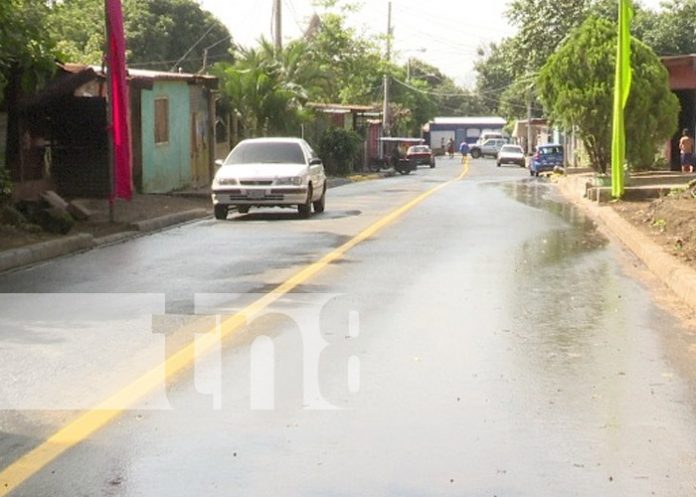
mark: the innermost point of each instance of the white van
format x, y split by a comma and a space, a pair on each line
489, 135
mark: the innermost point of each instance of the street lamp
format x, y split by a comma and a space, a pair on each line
408, 61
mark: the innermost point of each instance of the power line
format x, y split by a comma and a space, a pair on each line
291, 6
460, 94
192, 47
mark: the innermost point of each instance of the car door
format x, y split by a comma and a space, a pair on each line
488, 148
316, 171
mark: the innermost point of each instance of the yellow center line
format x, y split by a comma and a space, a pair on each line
88, 423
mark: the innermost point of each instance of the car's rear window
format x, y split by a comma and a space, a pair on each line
266, 153
511, 148
550, 150
419, 149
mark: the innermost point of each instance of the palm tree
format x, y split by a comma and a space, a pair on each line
269, 89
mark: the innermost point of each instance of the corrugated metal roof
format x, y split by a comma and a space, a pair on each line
145, 74
484, 121
168, 76
341, 108
685, 57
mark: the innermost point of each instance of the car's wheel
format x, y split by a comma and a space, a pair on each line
521, 164
304, 210
243, 209
320, 204
432, 163
220, 211
476, 153
497, 164
531, 173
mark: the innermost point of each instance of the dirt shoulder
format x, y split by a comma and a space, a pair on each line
669, 221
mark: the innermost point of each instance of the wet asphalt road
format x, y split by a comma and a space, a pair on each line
488, 343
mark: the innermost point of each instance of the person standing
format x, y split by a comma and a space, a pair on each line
450, 147
686, 150
464, 149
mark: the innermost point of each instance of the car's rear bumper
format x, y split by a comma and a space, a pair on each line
421, 161
519, 162
270, 196
540, 168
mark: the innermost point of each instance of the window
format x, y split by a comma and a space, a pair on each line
266, 152
161, 120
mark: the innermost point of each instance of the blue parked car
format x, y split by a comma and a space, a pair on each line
546, 158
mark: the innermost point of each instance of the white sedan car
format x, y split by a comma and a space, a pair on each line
270, 172
511, 154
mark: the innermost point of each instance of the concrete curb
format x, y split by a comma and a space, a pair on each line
678, 277
170, 219
39, 252
25, 256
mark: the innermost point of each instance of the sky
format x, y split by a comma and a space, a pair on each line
443, 33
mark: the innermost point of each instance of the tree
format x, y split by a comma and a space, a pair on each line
576, 86
505, 69
297, 70
25, 49
495, 74
673, 30
354, 61
256, 88
542, 25
160, 33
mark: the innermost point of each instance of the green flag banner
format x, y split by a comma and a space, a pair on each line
622, 88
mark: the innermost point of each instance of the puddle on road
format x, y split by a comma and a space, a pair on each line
580, 326
581, 235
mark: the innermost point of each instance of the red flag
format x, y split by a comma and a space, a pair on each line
116, 61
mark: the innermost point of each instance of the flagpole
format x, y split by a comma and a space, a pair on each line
622, 88
109, 118
121, 183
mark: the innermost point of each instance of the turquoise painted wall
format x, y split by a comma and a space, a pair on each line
167, 166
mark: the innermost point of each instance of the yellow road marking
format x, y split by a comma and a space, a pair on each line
88, 423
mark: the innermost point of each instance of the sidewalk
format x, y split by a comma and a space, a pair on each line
144, 213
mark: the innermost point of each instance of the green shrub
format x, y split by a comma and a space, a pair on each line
340, 149
56, 221
11, 216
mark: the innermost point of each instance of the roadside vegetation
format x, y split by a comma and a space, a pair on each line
268, 90
577, 81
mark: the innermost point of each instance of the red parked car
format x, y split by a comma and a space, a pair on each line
420, 155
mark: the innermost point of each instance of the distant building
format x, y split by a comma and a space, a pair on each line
439, 131
539, 133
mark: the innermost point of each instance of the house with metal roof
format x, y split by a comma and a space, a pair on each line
58, 138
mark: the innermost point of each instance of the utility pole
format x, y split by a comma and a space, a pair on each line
278, 25
529, 120
386, 124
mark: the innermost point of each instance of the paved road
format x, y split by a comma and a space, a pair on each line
486, 342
